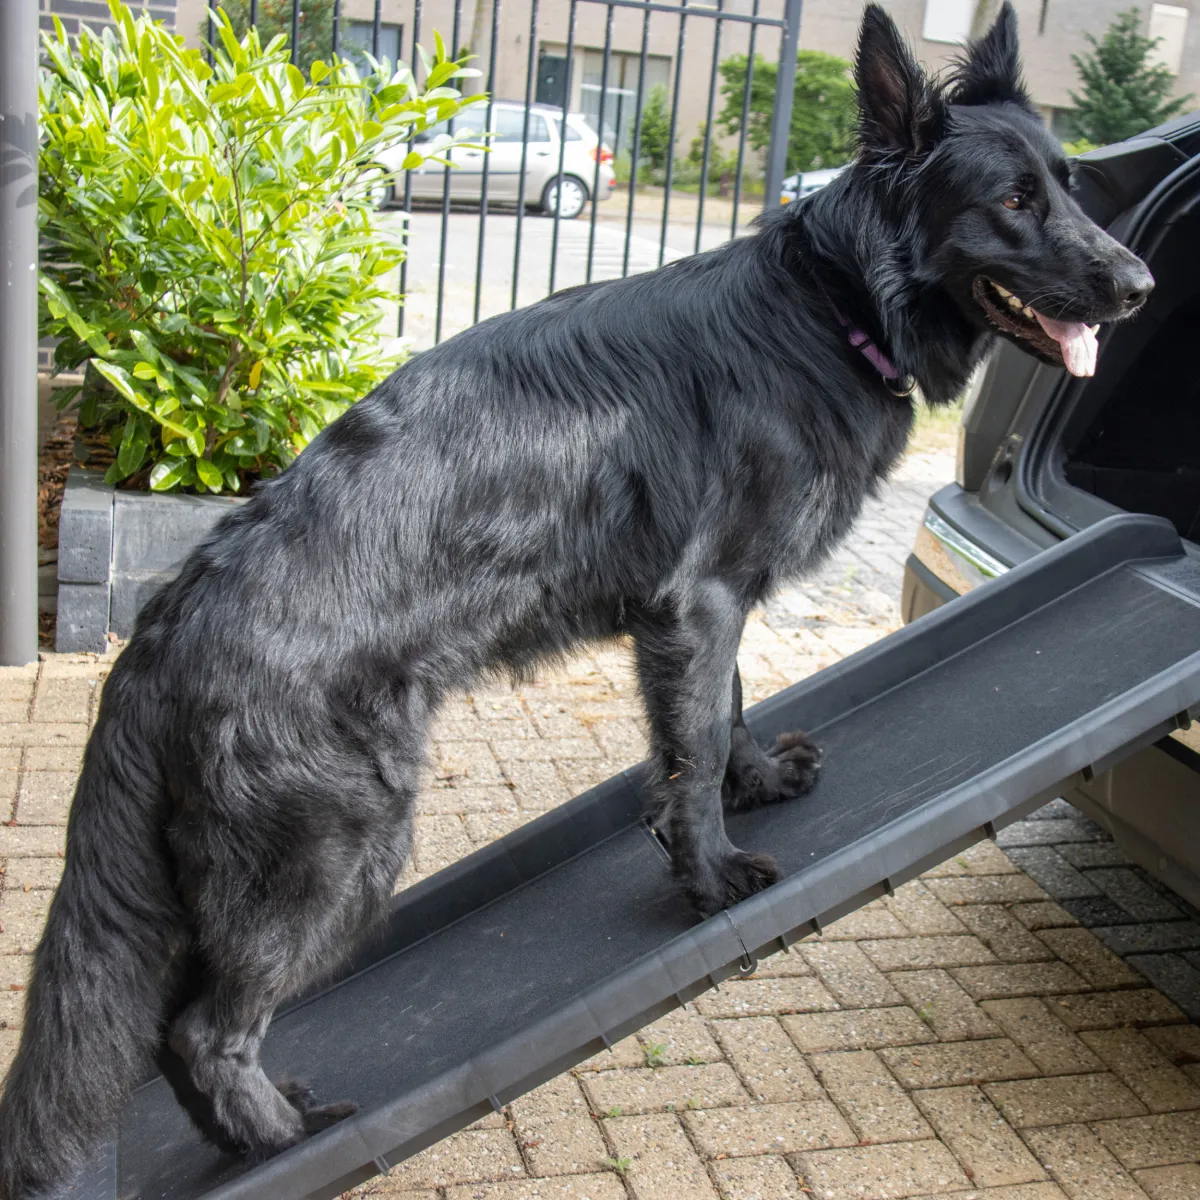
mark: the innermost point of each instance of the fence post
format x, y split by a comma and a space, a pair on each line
18, 332
781, 118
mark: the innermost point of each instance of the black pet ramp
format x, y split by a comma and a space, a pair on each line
540, 949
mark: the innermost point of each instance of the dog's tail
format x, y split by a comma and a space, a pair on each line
100, 975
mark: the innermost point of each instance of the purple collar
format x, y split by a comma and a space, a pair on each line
859, 339
897, 384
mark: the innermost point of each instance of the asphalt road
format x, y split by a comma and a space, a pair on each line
576, 243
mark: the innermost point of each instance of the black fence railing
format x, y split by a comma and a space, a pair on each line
583, 133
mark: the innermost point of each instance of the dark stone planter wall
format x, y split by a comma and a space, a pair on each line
116, 548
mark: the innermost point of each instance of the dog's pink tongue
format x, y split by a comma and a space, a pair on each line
1077, 341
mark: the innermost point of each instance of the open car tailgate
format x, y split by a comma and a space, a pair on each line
539, 950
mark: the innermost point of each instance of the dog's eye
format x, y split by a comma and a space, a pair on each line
1016, 200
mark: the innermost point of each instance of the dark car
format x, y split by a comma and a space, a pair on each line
1043, 455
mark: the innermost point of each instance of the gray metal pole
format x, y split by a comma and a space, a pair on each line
18, 331
781, 118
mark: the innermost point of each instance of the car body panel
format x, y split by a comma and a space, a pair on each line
506, 149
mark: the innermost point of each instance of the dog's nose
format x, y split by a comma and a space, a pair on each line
1131, 284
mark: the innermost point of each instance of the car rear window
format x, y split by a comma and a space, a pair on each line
470, 121
508, 123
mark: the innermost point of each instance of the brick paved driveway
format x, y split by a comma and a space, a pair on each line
970, 1036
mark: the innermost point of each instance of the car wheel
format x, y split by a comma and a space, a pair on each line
574, 197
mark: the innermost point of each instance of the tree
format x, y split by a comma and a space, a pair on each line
478, 47
274, 17
1123, 92
654, 146
822, 129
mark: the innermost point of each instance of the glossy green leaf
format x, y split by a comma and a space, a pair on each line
209, 474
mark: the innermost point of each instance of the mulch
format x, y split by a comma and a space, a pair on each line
53, 464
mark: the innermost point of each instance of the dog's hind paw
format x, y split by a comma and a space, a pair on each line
316, 1116
323, 1116
733, 878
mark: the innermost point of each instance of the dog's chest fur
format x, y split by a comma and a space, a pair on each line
810, 502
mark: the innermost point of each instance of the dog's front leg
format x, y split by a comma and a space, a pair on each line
686, 653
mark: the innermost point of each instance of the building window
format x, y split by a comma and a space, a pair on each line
1168, 23
357, 36
620, 99
948, 20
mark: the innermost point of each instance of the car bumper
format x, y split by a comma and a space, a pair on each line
1150, 802
958, 546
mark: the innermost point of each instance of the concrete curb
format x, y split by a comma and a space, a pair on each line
116, 548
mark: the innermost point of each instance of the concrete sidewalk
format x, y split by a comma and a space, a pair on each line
969, 1037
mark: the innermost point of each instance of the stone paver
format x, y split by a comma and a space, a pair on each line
979, 1137
1080, 1165
873, 1172
1029, 1102
658, 1160
867, 1093
943, 1005
1014, 1025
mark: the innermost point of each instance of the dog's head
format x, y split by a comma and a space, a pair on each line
986, 197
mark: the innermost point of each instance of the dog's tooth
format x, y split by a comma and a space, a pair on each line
1014, 303
1002, 290
1028, 312
1094, 328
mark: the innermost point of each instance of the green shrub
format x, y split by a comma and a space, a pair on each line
209, 254
823, 109
654, 145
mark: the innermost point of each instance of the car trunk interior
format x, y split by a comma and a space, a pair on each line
1133, 439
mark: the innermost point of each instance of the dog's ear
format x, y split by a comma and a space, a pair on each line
990, 71
899, 108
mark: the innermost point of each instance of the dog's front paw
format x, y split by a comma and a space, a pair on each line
730, 879
797, 761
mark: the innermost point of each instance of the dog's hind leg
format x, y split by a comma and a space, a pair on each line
218, 1077
266, 924
686, 654
756, 776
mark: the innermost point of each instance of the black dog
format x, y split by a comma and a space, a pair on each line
648, 457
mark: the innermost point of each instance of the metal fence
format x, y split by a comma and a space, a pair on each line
512, 262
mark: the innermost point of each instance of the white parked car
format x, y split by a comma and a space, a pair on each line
580, 153
796, 187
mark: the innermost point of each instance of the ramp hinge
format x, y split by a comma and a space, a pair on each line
887, 885
1088, 773
605, 1039
382, 1164
989, 830
1183, 720
815, 922
494, 1101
